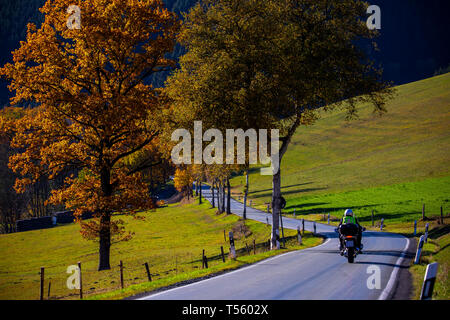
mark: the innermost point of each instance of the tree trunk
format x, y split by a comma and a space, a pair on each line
105, 242
244, 215
228, 197
105, 223
276, 182
219, 197
200, 192
212, 194
223, 196
276, 207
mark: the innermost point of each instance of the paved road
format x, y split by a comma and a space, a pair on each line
313, 274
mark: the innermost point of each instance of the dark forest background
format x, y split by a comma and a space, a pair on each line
413, 46
413, 42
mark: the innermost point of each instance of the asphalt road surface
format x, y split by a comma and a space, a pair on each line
318, 273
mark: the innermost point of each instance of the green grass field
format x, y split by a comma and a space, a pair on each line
391, 164
170, 239
436, 250
397, 203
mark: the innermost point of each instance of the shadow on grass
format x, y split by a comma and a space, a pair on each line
438, 232
386, 216
268, 194
443, 248
323, 210
303, 205
284, 187
313, 208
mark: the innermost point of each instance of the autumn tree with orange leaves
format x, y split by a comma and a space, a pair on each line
93, 107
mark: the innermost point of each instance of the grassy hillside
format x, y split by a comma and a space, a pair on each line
390, 164
170, 239
436, 250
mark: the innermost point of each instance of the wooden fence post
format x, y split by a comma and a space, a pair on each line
254, 246
81, 283
426, 232
48, 293
223, 254
442, 216
303, 226
232, 247
423, 212
203, 259
42, 284
299, 236
121, 273
148, 272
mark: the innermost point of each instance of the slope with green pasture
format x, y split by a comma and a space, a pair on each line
170, 240
390, 164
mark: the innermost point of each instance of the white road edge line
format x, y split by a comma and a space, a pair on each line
388, 290
231, 272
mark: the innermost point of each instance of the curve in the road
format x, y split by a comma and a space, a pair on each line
318, 273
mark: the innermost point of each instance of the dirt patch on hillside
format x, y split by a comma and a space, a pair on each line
240, 230
186, 200
177, 197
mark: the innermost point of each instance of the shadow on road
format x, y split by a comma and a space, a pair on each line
381, 235
386, 253
393, 265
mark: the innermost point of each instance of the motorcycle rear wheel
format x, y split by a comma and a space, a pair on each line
351, 255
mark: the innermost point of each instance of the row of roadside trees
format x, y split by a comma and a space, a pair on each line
273, 64
253, 64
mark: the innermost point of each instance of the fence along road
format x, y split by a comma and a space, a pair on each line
318, 273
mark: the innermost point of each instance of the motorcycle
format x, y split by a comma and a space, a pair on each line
348, 237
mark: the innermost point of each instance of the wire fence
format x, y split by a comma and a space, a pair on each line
56, 281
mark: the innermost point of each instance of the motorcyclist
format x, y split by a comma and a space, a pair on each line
349, 217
